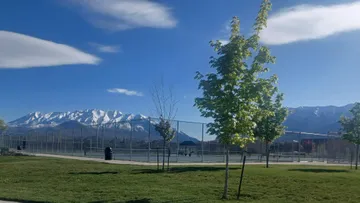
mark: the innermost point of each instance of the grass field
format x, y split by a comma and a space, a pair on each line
36, 179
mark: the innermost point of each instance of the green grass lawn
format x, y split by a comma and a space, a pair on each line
37, 179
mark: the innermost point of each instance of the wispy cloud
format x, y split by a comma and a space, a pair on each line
125, 91
225, 32
127, 14
23, 51
105, 48
310, 22
224, 41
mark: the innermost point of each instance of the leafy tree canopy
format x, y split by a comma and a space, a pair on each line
270, 127
165, 130
232, 91
351, 126
2, 125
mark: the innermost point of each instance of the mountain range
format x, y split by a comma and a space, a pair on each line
91, 121
320, 119
305, 119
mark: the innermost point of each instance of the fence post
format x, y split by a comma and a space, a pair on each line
90, 145
41, 143
131, 136
115, 139
298, 150
2, 139
60, 141
202, 143
81, 141
10, 143
37, 142
65, 143
19, 142
177, 141
97, 138
103, 134
292, 150
46, 142
149, 141
53, 140
73, 138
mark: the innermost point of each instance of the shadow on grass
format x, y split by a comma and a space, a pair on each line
93, 173
145, 200
20, 200
319, 170
179, 170
247, 197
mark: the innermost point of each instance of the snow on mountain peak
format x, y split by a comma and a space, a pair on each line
87, 117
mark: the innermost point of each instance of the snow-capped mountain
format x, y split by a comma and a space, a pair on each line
306, 119
86, 117
321, 119
116, 124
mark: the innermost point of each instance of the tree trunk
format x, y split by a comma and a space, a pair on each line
357, 156
157, 158
168, 159
163, 163
267, 154
226, 186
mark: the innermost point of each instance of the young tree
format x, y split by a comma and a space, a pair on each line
231, 93
350, 128
270, 127
3, 125
165, 106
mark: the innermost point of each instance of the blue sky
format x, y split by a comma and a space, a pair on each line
77, 54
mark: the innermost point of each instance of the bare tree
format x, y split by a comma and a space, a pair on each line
165, 108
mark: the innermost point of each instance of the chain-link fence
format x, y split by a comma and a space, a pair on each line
137, 140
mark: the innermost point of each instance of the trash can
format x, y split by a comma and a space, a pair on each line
108, 153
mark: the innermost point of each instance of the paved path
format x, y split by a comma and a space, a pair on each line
183, 164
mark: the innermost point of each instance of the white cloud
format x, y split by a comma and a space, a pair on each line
127, 14
224, 41
309, 22
125, 91
106, 48
23, 51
